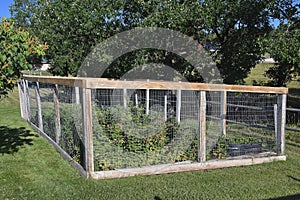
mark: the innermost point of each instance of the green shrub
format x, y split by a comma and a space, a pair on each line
127, 137
134, 131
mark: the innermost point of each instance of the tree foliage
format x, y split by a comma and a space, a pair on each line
236, 27
17, 49
73, 27
283, 44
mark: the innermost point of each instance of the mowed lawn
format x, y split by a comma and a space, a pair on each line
30, 168
257, 77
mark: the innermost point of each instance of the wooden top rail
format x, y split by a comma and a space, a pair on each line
102, 83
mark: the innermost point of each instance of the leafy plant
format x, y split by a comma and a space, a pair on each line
17, 48
71, 28
135, 131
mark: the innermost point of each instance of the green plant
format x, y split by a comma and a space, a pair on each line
219, 151
17, 47
134, 131
191, 152
127, 137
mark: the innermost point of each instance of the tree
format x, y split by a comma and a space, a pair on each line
283, 43
235, 27
232, 27
17, 48
73, 27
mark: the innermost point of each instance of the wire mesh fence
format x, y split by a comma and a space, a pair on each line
293, 117
105, 128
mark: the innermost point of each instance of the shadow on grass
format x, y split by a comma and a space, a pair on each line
11, 139
290, 197
295, 179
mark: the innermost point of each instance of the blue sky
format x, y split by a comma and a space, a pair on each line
4, 4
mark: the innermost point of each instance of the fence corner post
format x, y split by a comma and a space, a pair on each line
281, 123
87, 130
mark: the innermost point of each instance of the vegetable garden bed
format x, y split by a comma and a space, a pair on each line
109, 128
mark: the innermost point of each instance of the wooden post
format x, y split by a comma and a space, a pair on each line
57, 115
87, 130
147, 101
24, 100
166, 107
21, 99
202, 128
136, 100
178, 105
27, 101
281, 120
223, 111
77, 95
125, 98
276, 122
39, 107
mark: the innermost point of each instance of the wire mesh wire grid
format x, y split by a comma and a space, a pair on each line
112, 128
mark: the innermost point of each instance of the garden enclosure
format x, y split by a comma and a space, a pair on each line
116, 128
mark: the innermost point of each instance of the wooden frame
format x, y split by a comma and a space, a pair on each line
184, 167
223, 112
97, 83
87, 130
202, 128
83, 92
281, 121
22, 99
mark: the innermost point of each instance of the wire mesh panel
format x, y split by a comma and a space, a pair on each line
251, 123
47, 105
214, 122
107, 129
32, 104
70, 108
142, 132
293, 117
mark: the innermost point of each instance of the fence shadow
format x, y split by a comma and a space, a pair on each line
11, 139
290, 197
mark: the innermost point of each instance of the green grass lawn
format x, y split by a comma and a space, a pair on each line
30, 168
257, 76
